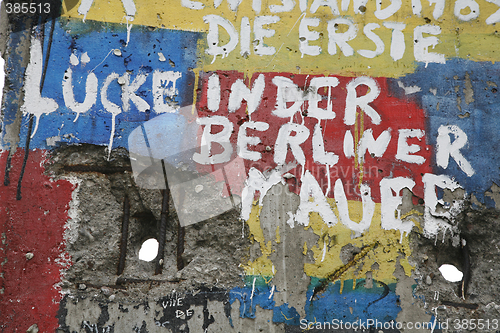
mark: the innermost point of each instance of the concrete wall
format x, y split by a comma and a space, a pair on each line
304, 165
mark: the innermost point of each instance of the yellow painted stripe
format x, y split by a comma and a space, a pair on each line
474, 40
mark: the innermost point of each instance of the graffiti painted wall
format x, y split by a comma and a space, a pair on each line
302, 165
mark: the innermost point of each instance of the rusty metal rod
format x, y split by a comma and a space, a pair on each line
162, 232
95, 168
181, 231
124, 239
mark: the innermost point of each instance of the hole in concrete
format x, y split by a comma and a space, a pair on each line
451, 273
149, 250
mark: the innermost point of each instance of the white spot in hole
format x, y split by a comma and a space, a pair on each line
451, 273
149, 250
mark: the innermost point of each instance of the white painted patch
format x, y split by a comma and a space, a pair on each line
451, 273
439, 221
390, 204
51, 141
72, 224
149, 250
85, 58
409, 90
73, 60
258, 182
110, 107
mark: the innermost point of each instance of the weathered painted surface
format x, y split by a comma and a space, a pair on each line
317, 156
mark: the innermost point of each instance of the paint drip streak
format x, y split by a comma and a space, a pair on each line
340, 271
30, 125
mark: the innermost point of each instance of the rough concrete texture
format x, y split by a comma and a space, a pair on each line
356, 171
443, 298
213, 249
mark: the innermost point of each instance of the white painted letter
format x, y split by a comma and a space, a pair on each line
69, 95
495, 17
341, 39
387, 12
259, 34
343, 208
287, 92
310, 188
463, 4
327, 3
129, 93
213, 92
319, 154
314, 98
390, 203
398, 45
374, 147
214, 22
353, 101
445, 148
205, 156
307, 35
244, 140
161, 81
433, 224
285, 139
421, 44
404, 150
240, 92
34, 103
379, 44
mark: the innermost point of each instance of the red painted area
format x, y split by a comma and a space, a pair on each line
396, 113
33, 224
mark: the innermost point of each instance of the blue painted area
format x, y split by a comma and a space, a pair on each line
478, 119
350, 305
13, 83
286, 314
140, 56
379, 302
252, 295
